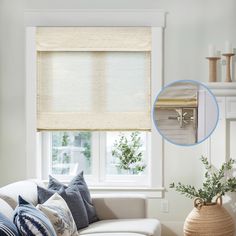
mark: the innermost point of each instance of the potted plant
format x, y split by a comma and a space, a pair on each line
128, 153
208, 216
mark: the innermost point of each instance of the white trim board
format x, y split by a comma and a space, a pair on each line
217, 145
34, 18
101, 17
222, 89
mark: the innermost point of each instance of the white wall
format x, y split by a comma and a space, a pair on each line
191, 26
12, 85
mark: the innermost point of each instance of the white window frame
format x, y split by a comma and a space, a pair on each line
109, 17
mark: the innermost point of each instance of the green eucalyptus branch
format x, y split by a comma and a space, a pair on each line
217, 182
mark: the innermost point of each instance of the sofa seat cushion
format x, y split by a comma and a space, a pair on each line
139, 226
115, 234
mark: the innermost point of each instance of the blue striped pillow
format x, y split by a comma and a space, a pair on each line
30, 221
7, 228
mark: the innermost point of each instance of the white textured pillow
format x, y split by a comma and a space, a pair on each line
57, 211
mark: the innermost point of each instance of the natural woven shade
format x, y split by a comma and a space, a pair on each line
93, 78
82, 87
93, 39
180, 94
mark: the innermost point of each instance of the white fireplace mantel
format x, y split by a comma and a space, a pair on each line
220, 146
222, 89
226, 97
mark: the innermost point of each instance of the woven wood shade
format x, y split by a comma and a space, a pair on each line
180, 94
102, 83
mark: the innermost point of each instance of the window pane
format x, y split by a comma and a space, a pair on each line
71, 152
126, 153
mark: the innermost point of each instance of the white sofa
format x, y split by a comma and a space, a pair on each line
120, 215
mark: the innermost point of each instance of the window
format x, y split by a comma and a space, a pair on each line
107, 158
94, 103
155, 22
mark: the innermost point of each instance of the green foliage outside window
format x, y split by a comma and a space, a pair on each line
86, 136
65, 139
128, 153
62, 155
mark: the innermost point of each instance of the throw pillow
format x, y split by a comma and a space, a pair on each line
74, 201
30, 221
44, 194
57, 211
7, 228
78, 181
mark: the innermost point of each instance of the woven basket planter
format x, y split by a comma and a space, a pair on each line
208, 220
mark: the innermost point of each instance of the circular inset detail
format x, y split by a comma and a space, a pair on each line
185, 112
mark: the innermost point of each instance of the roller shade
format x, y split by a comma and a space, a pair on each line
181, 94
93, 89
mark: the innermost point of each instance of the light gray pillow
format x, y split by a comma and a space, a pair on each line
57, 211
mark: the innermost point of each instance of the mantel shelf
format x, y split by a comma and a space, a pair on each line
222, 89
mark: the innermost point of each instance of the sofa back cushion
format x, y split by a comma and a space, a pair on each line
6, 209
118, 206
27, 189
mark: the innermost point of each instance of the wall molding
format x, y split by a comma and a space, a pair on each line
101, 17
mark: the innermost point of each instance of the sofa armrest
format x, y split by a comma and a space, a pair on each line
113, 206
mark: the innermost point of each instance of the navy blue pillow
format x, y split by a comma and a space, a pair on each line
77, 182
7, 228
30, 221
74, 201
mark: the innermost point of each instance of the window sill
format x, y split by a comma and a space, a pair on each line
147, 191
